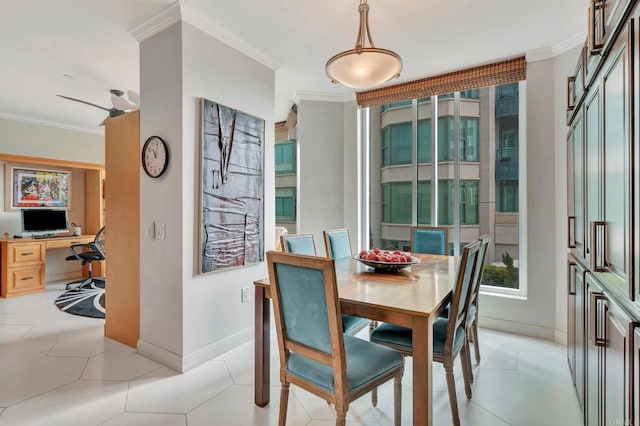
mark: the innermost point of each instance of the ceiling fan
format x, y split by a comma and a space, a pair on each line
119, 103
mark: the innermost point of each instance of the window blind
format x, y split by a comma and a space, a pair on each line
507, 71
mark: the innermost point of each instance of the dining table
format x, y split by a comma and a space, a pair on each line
412, 297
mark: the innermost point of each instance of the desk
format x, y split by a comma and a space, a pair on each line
22, 262
412, 298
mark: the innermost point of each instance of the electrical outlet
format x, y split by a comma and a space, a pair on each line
151, 231
245, 294
160, 230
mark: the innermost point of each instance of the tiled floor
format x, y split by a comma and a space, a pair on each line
58, 369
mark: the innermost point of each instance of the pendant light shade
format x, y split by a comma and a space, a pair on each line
364, 67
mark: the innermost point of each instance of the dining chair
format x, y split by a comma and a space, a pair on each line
314, 353
304, 244
472, 319
299, 244
449, 333
337, 245
429, 240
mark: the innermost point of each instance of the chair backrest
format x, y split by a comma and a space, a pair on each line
336, 243
477, 279
100, 241
299, 244
462, 291
280, 231
429, 240
307, 310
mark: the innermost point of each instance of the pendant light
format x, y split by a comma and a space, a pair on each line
364, 67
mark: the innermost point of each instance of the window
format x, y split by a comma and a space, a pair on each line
468, 139
396, 144
285, 157
285, 204
396, 204
508, 197
468, 202
489, 136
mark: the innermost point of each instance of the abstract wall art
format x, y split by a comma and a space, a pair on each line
232, 188
33, 188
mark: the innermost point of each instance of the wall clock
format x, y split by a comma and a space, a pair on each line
155, 156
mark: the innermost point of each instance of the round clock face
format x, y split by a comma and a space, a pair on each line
155, 156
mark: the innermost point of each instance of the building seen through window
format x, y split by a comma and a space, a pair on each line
477, 189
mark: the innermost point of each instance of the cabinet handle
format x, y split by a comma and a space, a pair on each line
593, 41
27, 254
571, 279
599, 246
571, 231
601, 332
26, 278
596, 320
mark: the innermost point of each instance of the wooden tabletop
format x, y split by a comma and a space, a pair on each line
419, 290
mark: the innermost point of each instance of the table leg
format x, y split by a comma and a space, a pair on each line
422, 372
262, 349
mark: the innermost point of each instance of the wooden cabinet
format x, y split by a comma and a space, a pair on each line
22, 269
603, 204
576, 340
575, 186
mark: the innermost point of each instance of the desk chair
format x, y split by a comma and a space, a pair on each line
449, 333
314, 353
87, 253
337, 245
429, 240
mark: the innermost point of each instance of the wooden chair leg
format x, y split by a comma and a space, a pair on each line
453, 400
397, 400
465, 360
284, 401
374, 397
476, 346
341, 415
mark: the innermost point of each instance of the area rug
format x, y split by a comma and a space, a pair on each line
86, 303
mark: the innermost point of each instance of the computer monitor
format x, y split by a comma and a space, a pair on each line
43, 222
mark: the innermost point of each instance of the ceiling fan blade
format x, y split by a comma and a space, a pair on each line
84, 102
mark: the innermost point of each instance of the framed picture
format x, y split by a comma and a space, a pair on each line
36, 188
232, 188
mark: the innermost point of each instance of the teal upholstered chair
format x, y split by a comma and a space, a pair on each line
337, 245
429, 240
299, 244
449, 333
314, 353
304, 244
472, 319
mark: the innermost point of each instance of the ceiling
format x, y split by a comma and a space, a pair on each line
83, 48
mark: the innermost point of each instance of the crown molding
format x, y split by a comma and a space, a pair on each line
50, 124
303, 95
556, 49
160, 21
207, 26
178, 12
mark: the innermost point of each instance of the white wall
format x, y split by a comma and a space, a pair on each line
186, 318
321, 168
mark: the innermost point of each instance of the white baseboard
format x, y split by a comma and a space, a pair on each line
192, 360
560, 337
63, 276
525, 329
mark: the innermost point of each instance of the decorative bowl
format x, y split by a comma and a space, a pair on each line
387, 266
